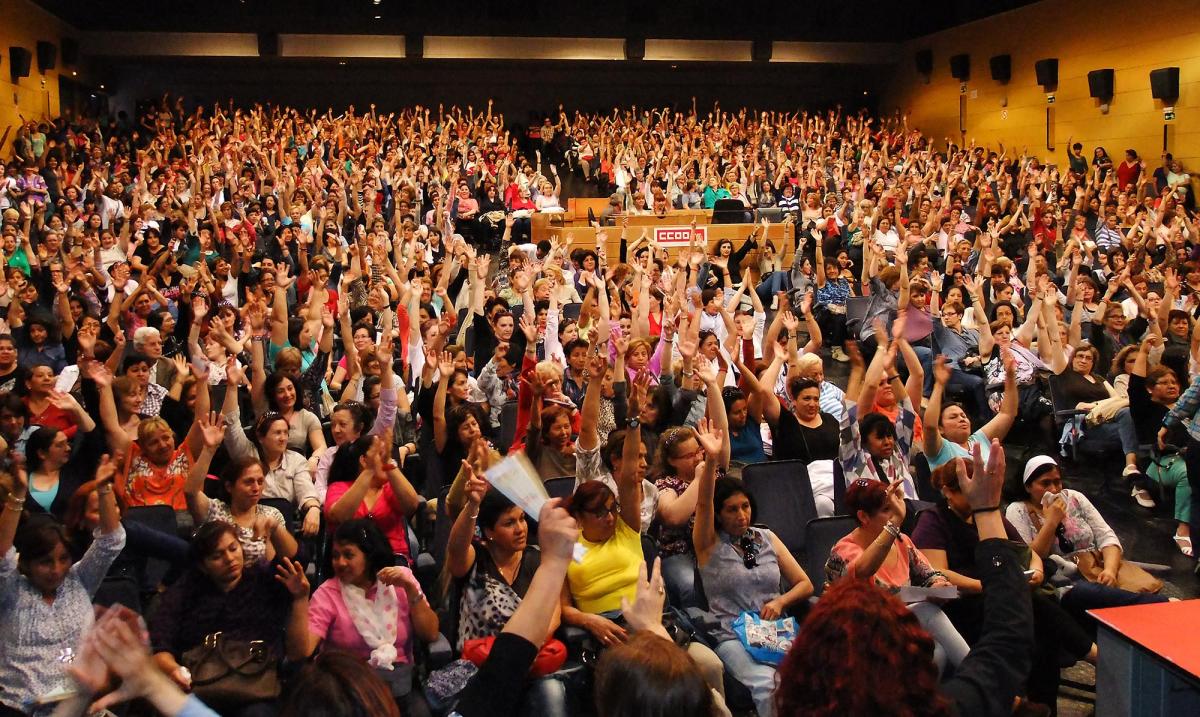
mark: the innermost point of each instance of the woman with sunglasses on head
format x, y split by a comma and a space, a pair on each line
742, 567
1057, 523
284, 472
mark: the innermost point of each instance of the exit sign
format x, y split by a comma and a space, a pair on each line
1169, 113
1050, 99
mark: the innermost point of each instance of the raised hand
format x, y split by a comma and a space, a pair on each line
711, 438
291, 575
790, 322
446, 365
476, 486
942, 370
982, 487
646, 611
529, 328
212, 429
707, 370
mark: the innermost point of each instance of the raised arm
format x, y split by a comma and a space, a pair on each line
704, 530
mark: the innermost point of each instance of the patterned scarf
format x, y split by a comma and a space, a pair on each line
375, 621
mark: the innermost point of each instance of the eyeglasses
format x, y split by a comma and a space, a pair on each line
604, 511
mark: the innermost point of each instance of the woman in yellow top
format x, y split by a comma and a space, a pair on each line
610, 526
604, 582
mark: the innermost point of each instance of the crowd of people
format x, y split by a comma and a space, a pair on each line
274, 353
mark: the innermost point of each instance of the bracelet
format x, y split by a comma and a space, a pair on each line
14, 502
985, 510
105, 489
892, 530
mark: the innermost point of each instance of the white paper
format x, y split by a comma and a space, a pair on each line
66, 380
914, 593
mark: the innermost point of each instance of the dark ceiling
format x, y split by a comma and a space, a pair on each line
812, 20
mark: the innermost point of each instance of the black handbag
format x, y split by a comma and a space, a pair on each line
226, 671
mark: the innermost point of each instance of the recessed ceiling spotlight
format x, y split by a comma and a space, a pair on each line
378, 17
377, 2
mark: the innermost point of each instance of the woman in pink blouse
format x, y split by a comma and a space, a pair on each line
380, 492
372, 610
877, 550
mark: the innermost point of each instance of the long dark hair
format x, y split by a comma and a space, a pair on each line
345, 467
364, 533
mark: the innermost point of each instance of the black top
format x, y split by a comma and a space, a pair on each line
194, 607
942, 529
1148, 416
995, 669
490, 692
1077, 389
795, 441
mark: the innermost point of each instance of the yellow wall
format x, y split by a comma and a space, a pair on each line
22, 24
1131, 37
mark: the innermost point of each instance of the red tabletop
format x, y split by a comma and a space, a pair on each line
1165, 629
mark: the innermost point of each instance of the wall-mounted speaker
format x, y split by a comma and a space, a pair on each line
1047, 72
18, 62
1164, 84
924, 61
1100, 84
1001, 66
635, 48
268, 44
960, 67
414, 46
47, 55
70, 51
761, 50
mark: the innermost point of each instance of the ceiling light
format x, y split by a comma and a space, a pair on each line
378, 16
377, 2
343, 62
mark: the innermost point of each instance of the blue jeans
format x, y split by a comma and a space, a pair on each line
1085, 595
545, 696
771, 285
1119, 428
757, 677
679, 574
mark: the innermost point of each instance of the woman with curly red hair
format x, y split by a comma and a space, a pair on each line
884, 658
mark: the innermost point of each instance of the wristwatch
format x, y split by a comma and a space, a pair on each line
633, 423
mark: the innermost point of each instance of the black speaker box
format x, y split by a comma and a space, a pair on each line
47, 54
414, 46
268, 44
1164, 84
1047, 72
70, 51
924, 61
1100, 83
760, 50
960, 67
18, 62
635, 48
1001, 66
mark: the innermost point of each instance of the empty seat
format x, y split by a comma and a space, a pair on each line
820, 535
783, 499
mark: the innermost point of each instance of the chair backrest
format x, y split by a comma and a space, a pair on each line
162, 519
571, 311
283, 505
772, 214
508, 427
820, 535
839, 488
560, 487
856, 312
441, 529
784, 500
517, 310
1058, 397
921, 476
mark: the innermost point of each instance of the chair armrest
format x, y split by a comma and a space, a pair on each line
439, 652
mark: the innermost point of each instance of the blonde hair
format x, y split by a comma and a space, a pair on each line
149, 426
549, 369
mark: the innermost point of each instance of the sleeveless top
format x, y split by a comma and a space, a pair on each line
731, 587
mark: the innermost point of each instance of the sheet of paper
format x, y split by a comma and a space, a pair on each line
913, 593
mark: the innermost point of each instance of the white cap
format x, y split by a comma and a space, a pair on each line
1033, 466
